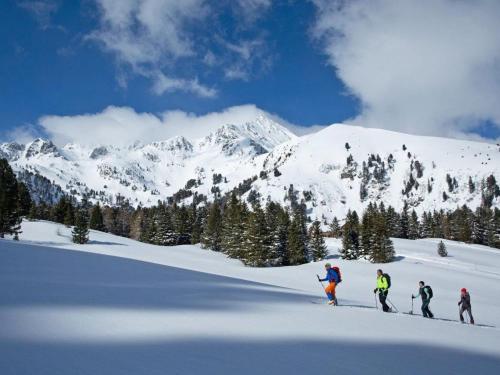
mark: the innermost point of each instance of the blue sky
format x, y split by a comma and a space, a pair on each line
309, 62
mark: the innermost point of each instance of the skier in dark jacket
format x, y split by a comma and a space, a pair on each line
383, 290
465, 305
424, 292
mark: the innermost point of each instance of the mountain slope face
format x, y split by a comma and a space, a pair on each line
339, 168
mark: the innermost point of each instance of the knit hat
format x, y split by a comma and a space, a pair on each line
463, 290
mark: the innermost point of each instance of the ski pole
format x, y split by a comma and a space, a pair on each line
376, 303
322, 285
411, 311
395, 308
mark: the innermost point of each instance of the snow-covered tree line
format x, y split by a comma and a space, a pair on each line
370, 237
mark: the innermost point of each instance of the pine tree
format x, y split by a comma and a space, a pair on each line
317, 242
198, 216
472, 186
277, 226
24, 199
335, 228
10, 218
81, 231
69, 216
405, 222
382, 249
279, 246
165, 233
442, 249
181, 224
212, 232
414, 226
96, 219
297, 237
256, 248
393, 220
426, 225
233, 227
366, 230
350, 237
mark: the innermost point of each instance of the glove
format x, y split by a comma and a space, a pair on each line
375, 290
459, 304
412, 296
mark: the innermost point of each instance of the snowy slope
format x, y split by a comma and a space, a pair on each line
116, 306
316, 165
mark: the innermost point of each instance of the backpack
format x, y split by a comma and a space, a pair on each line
388, 278
429, 291
336, 269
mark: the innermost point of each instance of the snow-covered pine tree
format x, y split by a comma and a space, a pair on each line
96, 219
80, 231
317, 242
212, 231
442, 249
10, 218
350, 237
165, 232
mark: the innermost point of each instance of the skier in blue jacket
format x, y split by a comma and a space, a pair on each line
333, 279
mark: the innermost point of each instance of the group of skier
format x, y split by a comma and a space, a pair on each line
333, 277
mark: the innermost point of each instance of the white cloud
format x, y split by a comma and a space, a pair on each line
124, 126
426, 66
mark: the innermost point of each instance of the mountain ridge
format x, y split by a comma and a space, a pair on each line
338, 168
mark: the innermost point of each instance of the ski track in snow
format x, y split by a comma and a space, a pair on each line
116, 306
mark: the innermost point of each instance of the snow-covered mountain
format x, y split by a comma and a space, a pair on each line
338, 168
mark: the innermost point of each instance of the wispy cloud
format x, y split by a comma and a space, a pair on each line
42, 11
429, 66
167, 40
166, 84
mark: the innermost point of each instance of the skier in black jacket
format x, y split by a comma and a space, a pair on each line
465, 305
425, 292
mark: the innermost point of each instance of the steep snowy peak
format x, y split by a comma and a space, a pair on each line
40, 147
175, 145
250, 138
11, 151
